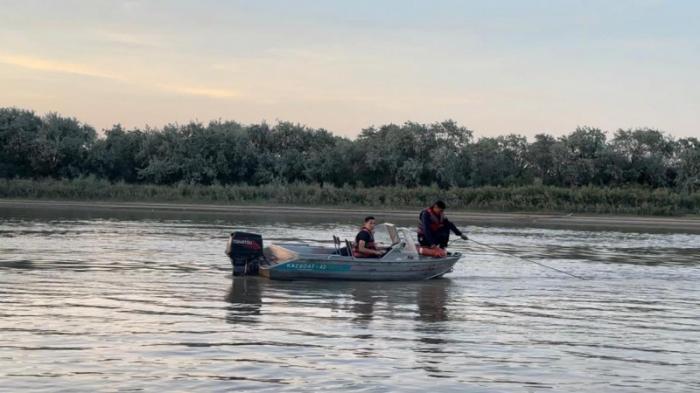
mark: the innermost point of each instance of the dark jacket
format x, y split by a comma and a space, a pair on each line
431, 223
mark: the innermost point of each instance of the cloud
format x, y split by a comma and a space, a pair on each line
200, 91
46, 65
34, 63
129, 39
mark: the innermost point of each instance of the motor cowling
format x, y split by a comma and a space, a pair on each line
245, 251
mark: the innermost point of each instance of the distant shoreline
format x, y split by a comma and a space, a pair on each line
535, 199
552, 220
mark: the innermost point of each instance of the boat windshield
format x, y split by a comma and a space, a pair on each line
410, 247
386, 234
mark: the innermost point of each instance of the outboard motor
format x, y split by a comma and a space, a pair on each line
246, 251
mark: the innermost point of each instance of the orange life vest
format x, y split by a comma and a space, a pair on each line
437, 221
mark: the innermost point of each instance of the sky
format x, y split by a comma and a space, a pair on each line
496, 67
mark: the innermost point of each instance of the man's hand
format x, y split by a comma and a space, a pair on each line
464, 237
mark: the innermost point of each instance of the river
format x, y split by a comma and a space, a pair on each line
131, 301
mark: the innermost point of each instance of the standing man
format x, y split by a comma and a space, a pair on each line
364, 241
434, 228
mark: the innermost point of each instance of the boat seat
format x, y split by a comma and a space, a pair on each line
343, 251
349, 248
278, 254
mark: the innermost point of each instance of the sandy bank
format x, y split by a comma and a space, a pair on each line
600, 222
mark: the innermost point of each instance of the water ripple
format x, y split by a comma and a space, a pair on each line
146, 303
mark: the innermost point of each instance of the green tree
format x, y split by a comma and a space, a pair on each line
541, 159
688, 164
501, 161
410, 154
117, 155
585, 147
19, 134
645, 156
62, 147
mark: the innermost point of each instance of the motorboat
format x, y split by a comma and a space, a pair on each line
291, 261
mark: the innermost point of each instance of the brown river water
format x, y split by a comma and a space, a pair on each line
119, 301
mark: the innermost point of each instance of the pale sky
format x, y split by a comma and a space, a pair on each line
493, 66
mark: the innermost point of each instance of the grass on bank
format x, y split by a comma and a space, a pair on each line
633, 201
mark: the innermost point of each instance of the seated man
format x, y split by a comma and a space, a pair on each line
364, 241
434, 228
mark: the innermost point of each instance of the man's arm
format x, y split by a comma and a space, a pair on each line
361, 248
454, 229
362, 239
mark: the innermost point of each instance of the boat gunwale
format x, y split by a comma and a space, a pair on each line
323, 258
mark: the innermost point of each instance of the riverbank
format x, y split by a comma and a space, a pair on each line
530, 199
689, 224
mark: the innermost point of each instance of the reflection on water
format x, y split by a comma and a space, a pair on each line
359, 299
146, 302
245, 297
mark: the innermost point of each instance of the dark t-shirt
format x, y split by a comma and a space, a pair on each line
364, 235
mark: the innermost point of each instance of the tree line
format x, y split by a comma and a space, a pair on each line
442, 154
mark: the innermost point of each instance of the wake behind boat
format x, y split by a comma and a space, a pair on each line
290, 261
